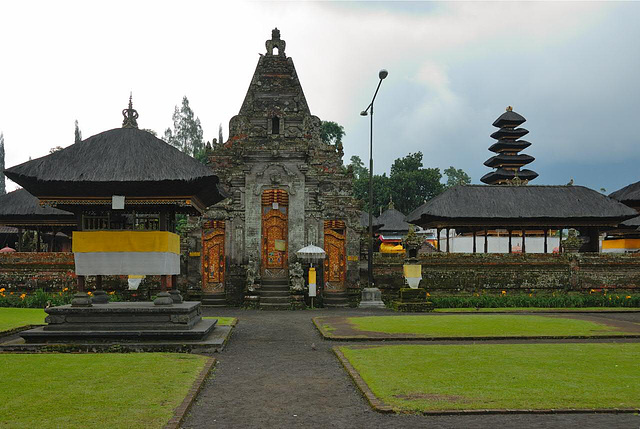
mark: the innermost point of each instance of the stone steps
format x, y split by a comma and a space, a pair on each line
336, 299
214, 300
275, 295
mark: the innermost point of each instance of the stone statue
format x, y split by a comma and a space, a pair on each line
252, 275
296, 275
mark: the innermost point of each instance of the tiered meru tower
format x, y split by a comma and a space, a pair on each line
508, 162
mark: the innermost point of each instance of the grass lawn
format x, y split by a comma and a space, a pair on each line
532, 309
223, 321
11, 318
94, 390
489, 376
470, 325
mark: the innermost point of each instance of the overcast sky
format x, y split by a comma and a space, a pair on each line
572, 69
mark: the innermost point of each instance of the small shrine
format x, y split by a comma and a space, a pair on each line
508, 161
124, 187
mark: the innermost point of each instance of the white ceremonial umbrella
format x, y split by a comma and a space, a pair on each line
311, 252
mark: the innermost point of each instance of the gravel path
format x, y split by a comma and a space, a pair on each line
270, 376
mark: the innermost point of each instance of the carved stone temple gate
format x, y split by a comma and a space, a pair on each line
283, 182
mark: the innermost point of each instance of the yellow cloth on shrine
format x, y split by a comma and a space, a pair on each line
412, 271
312, 276
125, 241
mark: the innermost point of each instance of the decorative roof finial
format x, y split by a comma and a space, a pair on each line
509, 109
130, 115
391, 206
276, 43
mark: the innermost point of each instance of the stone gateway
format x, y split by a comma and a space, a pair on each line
287, 189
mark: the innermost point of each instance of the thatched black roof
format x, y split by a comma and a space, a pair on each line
509, 133
391, 220
122, 161
505, 174
20, 206
364, 220
469, 205
630, 194
509, 119
634, 222
504, 159
513, 145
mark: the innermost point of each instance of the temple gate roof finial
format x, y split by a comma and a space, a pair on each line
130, 115
509, 109
277, 43
391, 205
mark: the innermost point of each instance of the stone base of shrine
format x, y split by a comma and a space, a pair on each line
135, 326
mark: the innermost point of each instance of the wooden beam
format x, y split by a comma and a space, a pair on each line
486, 242
474, 241
448, 248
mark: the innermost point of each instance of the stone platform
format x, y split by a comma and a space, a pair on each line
122, 322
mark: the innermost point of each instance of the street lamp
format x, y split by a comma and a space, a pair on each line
369, 111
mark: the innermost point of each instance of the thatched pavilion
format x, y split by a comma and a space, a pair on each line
479, 208
22, 211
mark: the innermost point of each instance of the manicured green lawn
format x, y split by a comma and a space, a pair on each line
489, 376
532, 309
11, 318
223, 321
111, 390
470, 325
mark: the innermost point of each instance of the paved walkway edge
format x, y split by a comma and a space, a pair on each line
373, 400
180, 412
13, 331
381, 407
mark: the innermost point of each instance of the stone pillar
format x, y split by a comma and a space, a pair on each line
174, 292
81, 298
163, 297
99, 296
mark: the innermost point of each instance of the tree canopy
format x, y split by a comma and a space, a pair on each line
187, 133
78, 133
331, 132
410, 184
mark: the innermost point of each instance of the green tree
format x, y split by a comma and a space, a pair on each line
220, 139
3, 188
331, 132
78, 133
411, 184
456, 177
187, 133
359, 170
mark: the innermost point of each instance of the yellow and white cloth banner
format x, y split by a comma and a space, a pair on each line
126, 252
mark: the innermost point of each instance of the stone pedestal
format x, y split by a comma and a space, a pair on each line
413, 300
81, 299
100, 297
175, 296
163, 298
371, 298
122, 321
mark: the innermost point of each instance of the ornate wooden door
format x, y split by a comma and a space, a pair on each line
335, 264
213, 256
275, 232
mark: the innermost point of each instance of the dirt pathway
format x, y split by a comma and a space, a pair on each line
270, 376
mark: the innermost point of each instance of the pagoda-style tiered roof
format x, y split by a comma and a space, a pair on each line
509, 162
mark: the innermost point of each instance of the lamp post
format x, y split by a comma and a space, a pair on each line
369, 111
371, 296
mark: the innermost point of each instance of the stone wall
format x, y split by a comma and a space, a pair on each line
468, 273
54, 271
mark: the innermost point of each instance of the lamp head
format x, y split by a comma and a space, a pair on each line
382, 74
364, 113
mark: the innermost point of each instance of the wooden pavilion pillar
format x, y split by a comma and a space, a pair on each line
524, 249
486, 242
510, 248
438, 231
19, 239
448, 245
545, 240
560, 241
37, 235
474, 241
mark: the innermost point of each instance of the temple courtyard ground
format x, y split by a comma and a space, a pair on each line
278, 371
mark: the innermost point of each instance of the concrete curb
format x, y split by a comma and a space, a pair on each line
181, 411
381, 407
373, 400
